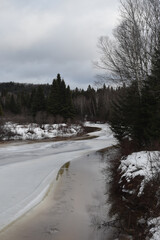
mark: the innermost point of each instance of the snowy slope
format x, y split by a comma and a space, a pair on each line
142, 163
14, 131
147, 165
26, 171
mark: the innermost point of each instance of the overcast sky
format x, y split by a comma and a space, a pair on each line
40, 38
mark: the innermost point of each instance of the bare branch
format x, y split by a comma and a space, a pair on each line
128, 57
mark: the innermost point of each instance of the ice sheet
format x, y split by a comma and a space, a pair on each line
26, 171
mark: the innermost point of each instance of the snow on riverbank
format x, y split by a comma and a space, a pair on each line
155, 229
145, 164
14, 131
27, 170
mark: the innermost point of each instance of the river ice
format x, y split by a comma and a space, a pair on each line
27, 170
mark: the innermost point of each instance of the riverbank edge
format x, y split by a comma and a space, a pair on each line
80, 136
45, 192
135, 214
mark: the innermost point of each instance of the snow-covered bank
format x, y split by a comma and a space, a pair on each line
155, 228
14, 131
145, 164
26, 171
139, 186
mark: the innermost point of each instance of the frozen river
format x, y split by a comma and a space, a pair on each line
27, 170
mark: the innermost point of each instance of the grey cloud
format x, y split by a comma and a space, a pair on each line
42, 37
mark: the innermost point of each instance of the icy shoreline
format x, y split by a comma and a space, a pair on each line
26, 171
76, 197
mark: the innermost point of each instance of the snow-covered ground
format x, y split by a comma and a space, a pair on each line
27, 170
147, 165
155, 229
15, 131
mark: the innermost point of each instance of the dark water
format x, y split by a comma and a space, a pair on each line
75, 202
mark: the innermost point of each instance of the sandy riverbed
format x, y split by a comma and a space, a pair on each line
75, 200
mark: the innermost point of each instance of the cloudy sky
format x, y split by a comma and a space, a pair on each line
40, 38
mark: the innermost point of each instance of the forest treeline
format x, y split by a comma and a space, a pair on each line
56, 102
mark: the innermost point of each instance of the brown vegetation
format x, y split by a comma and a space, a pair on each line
132, 210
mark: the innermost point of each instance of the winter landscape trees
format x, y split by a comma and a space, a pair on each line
129, 54
133, 57
55, 102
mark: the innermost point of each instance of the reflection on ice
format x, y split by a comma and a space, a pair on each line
64, 168
67, 213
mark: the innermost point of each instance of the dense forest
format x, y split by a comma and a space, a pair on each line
56, 102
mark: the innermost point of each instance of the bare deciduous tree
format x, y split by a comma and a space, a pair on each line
128, 56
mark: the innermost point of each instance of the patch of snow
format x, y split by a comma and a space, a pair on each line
34, 131
105, 133
145, 163
155, 229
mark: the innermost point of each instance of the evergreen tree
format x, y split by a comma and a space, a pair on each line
54, 97
118, 123
60, 100
151, 100
38, 102
138, 117
126, 120
13, 105
69, 111
31, 99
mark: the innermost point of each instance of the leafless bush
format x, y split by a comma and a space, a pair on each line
5, 132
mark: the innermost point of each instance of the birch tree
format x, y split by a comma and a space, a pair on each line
127, 56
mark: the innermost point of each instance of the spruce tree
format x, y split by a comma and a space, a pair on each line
13, 105
126, 116
59, 99
119, 118
54, 97
38, 102
69, 109
138, 117
151, 100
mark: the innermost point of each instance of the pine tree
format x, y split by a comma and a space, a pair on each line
126, 117
151, 100
138, 117
69, 109
118, 121
38, 103
59, 99
13, 105
54, 98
